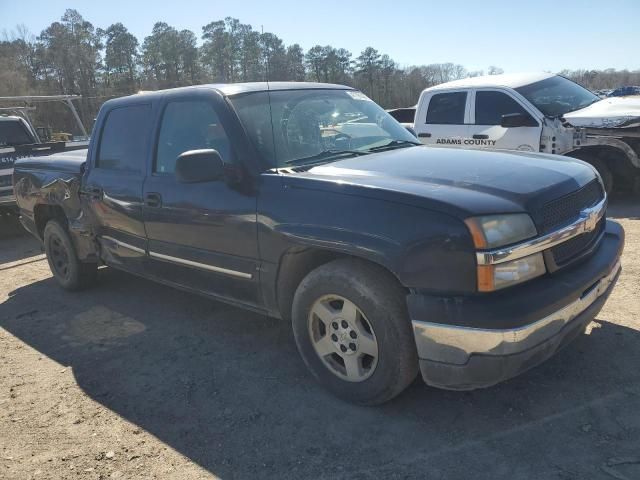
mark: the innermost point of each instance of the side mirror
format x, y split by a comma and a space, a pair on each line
412, 131
198, 166
514, 120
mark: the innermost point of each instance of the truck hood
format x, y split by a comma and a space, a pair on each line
459, 182
613, 112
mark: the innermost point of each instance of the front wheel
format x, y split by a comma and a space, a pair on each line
353, 331
67, 269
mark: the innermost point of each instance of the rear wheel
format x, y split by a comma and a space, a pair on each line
69, 272
353, 331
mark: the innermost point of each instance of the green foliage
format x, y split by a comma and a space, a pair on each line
72, 57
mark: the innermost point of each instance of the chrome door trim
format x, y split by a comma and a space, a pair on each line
204, 266
124, 245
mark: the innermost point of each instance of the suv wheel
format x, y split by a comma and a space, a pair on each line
353, 331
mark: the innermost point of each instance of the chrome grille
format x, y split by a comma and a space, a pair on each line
564, 210
570, 250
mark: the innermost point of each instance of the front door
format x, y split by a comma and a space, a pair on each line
201, 235
486, 131
112, 190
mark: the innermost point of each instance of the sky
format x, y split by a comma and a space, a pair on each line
540, 35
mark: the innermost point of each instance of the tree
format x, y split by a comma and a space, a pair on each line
121, 56
275, 56
368, 68
493, 70
295, 63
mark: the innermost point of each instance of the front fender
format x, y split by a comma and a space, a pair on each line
424, 249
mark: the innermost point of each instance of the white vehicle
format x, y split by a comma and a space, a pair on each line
537, 113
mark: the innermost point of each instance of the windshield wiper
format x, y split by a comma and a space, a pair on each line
325, 156
393, 144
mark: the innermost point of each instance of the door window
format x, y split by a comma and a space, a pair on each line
124, 140
491, 106
447, 108
189, 125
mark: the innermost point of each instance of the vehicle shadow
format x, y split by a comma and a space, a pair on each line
227, 389
15, 242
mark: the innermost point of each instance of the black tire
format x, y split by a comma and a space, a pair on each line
605, 173
69, 272
380, 299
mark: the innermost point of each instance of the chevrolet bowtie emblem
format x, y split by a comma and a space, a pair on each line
590, 219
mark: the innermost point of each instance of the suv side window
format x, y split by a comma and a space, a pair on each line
491, 106
447, 108
124, 139
189, 125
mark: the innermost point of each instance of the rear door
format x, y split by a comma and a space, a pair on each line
442, 118
201, 235
113, 185
488, 107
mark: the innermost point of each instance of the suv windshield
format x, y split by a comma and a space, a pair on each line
557, 95
316, 125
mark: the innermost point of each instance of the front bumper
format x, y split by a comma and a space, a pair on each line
480, 341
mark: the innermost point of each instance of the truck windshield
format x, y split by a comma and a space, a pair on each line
557, 95
317, 125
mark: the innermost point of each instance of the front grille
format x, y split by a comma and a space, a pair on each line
5, 181
574, 247
565, 210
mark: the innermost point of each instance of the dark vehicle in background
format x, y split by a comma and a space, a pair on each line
405, 116
309, 203
14, 132
625, 91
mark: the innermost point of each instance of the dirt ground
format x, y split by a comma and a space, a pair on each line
137, 380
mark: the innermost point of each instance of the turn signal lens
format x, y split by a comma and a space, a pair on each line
507, 274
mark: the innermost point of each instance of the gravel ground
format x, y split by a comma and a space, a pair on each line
137, 380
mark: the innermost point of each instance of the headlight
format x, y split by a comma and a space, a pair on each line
507, 274
493, 231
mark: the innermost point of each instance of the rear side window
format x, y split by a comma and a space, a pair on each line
190, 125
447, 108
124, 141
491, 106
13, 133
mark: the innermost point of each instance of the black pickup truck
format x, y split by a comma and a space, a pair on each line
308, 202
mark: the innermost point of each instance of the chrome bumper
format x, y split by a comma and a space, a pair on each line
455, 345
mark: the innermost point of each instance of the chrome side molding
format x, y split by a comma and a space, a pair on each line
204, 266
124, 245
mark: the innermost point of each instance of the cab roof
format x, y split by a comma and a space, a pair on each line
228, 89
509, 80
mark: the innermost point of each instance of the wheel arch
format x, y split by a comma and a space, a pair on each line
297, 262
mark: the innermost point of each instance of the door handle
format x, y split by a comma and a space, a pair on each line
424, 135
480, 137
153, 199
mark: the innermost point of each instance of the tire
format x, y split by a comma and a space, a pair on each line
354, 297
605, 173
70, 273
